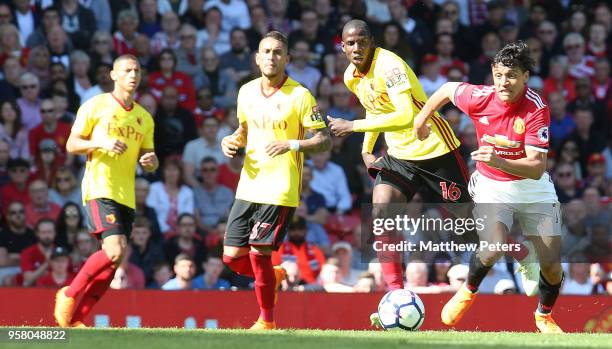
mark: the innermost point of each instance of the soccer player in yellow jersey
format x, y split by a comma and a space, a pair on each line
115, 133
392, 95
274, 112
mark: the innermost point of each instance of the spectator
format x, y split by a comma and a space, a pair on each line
168, 76
220, 83
210, 280
580, 65
10, 45
177, 6
9, 85
365, 283
40, 207
39, 63
394, 39
329, 180
59, 274
29, 103
212, 36
540, 66
308, 257
142, 209
120, 280
103, 14
330, 277
561, 122
431, 79
17, 188
293, 281
586, 100
237, 61
343, 252
235, 13
146, 253
13, 131
576, 236
187, 54
566, 184
35, 259
85, 245
312, 209
418, 33
149, 17
457, 275
50, 128
65, 188
50, 17
47, 161
375, 268
70, 222
212, 200
128, 275
341, 99
578, 280
203, 147
207, 109
185, 270
599, 248
168, 37
195, 14
587, 136
101, 49
597, 214
260, 25
602, 82
186, 241
161, 275
126, 34
170, 198
148, 102
14, 238
505, 286
104, 82
438, 274
598, 36
596, 171
490, 44
80, 66
62, 103
78, 22
174, 126
59, 45
299, 68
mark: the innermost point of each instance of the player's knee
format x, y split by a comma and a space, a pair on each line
115, 253
552, 272
488, 257
263, 250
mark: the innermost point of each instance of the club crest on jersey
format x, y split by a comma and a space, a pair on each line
395, 77
543, 134
519, 126
484, 120
110, 218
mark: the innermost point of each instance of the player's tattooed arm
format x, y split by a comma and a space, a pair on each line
437, 100
230, 144
320, 141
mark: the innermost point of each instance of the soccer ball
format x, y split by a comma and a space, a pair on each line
401, 310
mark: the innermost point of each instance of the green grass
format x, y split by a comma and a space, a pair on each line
317, 339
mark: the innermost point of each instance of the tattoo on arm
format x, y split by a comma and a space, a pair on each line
320, 141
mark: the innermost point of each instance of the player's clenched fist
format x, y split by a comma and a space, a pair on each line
486, 154
149, 161
114, 145
230, 144
340, 127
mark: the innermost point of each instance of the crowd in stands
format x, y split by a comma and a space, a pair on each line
195, 55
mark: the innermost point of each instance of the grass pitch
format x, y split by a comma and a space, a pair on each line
306, 339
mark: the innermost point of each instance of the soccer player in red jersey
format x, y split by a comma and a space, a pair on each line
512, 126
115, 133
274, 112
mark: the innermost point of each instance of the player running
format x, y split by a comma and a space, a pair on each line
115, 132
392, 95
274, 112
512, 128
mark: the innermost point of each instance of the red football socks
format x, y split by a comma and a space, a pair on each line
93, 293
95, 264
393, 275
240, 265
264, 284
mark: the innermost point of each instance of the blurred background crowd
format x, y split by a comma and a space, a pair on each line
195, 54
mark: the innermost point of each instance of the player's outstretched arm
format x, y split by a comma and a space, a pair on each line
230, 144
437, 100
78, 144
320, 141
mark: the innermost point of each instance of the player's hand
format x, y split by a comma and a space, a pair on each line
230, 145
149, 161
277, 148
113, 145
486, 154
340, 127
421, 128
368, 159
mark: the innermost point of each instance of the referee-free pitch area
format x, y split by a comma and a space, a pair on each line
318, 339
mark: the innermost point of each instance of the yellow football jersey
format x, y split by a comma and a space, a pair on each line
107, 174
282, 115
388, 79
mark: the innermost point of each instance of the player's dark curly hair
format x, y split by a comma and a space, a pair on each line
514, 55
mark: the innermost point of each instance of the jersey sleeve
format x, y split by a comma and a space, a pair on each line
85, 120
463, 97
309, 112
537, 134
395, 74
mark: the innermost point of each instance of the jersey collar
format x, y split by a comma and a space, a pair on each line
125, 107
276, 88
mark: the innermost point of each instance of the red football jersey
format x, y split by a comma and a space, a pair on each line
510, 128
